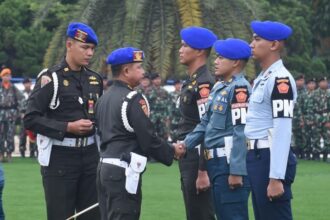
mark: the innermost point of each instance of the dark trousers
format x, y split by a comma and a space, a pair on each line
230, 204
70, 182
198, 206
114, 201
258, 165
2, 214
7, 131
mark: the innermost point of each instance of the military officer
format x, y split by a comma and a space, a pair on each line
127, 137
159, 106
196, 45
10, 111
271, 165
61, 111
222, 130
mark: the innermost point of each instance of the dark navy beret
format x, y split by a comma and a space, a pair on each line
271, 30
198, 37
125, 55
81, 32
232, 48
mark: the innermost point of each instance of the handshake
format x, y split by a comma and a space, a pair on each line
179, 150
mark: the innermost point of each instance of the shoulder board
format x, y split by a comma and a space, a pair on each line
55, 68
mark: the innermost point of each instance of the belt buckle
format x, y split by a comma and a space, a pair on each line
80, 142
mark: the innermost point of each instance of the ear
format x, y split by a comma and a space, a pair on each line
68, 44
275, 45
125, 70
236, 63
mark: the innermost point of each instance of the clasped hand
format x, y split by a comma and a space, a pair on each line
179, 150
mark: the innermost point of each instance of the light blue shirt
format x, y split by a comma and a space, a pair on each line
266, 112
217, 123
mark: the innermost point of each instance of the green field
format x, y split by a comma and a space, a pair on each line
23, 194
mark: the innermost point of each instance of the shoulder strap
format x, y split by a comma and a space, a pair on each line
55, 102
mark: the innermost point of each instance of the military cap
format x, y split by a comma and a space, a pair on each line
233, 48
4, 72
125, 55
26, 80
154, 76
311, 80
271, 30
323, 78
81, 32
176, 81
198, 37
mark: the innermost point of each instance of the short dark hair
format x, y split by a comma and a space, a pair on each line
116, 70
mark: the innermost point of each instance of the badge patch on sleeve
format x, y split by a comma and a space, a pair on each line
239, 105
45, 80
204, 92
282, 98
144, 107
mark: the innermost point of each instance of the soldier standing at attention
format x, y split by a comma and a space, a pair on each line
127, 137
308, 114
61, 111
222, 130
24, 133
321, 110
196, 45
174, 110
10, 111
159, 106
298, 118
271, 164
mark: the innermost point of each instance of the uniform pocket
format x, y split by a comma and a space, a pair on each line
218, 120
49, 172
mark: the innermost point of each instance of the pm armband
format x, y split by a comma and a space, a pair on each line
282, 98
239, 105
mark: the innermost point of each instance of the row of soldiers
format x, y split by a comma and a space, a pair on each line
13, 104
311, 121
164, 112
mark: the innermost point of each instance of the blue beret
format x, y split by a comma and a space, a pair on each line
81, 32
232, 48
198, 37
125, 55
271, 30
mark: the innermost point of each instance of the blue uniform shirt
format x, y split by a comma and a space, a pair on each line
271, 108
225, 117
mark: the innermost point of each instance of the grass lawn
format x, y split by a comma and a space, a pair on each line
23, 194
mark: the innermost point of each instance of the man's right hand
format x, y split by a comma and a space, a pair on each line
180, 150
80, 127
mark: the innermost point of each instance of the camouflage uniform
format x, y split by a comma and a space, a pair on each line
23, 132
309, 126
159, 110
175, 114
10, 107
297, 127
321, 107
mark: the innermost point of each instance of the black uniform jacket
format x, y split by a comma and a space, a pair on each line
78, 92
116, 140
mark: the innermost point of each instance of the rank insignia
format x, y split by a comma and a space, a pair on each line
92, 78
65, 82
215, 107
94, 82
223, 93
66, 69
138, 56
193, 82
81, 36
220, 108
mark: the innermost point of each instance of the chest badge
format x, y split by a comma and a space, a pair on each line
65, 82
223, 93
